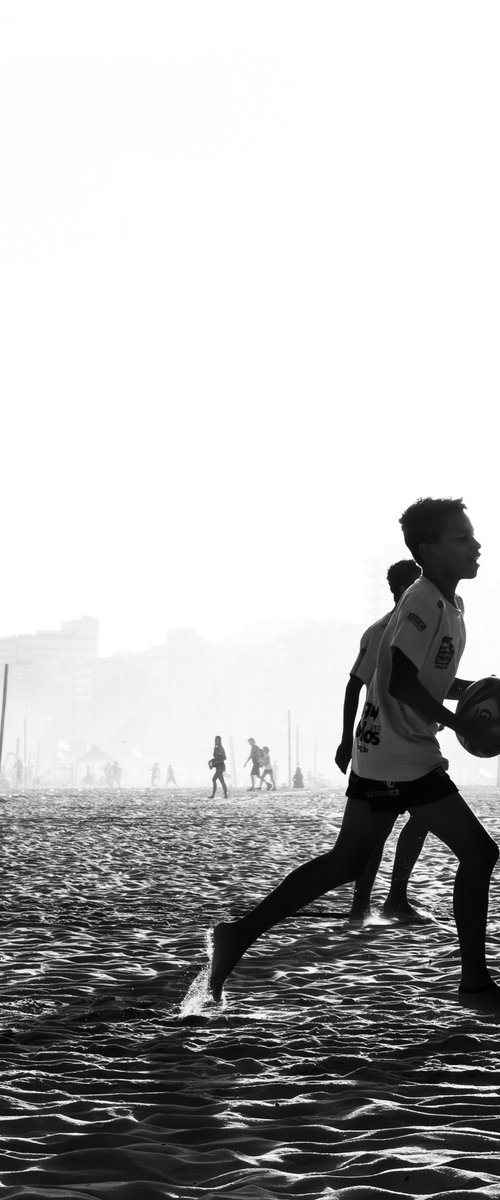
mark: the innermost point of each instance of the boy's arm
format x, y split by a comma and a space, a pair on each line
405, 686
458, 687
351, 701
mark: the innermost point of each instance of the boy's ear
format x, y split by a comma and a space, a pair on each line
425, 550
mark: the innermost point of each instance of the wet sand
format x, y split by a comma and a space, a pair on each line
340, 1065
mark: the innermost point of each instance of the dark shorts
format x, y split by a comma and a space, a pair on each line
387, 795
255, 770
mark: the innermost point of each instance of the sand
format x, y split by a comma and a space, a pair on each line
340, 1066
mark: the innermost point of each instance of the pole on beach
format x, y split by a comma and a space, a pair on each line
25, 753
296, 745
315, 762
289, 749
233, 762
4, 702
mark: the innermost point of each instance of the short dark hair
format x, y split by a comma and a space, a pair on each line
425, 520
402, 574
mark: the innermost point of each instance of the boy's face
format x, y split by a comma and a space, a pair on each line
456, 553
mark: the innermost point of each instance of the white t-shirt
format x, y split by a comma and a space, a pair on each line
366, 661
392, 741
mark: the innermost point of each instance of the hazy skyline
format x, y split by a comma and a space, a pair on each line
249, 306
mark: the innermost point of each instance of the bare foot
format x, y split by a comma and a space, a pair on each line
227, 950
404, 912
359, 914
484, 999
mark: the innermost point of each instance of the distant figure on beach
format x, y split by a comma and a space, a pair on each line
218, 761
18, 772
298, 779
116, 774
155, 775
170, 776
88, 778
257, 758
400, 576
267, 770
397, 764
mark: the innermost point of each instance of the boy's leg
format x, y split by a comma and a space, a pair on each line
454, 823
360, 833
410, 842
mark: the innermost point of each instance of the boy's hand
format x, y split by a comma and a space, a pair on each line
343, 756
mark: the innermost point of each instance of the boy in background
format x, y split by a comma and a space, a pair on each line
400, 576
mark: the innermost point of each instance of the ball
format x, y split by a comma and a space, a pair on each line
480, 700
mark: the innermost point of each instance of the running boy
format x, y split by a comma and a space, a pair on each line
400, 576
267, 770
397, 761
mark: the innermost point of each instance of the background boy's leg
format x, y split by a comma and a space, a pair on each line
409, 845
363, 887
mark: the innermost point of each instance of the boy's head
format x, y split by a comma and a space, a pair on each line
401, 575
266, 749
440, 537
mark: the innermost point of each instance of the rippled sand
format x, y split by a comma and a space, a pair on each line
340, 1066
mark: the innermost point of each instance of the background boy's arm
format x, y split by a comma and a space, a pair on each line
351, 701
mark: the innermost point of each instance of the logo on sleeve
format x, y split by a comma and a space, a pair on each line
416, 621
445, 654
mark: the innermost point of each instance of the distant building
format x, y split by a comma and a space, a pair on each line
49, 685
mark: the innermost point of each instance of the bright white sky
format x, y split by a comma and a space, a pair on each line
249, 303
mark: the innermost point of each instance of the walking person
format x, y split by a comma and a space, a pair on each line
397, 761
218, 761
257, 758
